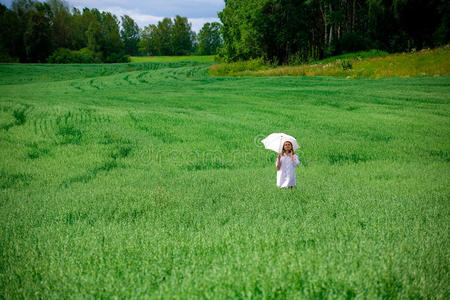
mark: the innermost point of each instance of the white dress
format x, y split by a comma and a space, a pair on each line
286, 174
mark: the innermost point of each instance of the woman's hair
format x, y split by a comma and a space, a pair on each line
292, 148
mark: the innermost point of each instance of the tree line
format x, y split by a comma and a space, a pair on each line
280, 31
176, 38
34, 31
286, 31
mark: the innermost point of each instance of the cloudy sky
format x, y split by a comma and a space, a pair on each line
146, 12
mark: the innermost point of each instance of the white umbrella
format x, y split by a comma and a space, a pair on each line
275, 141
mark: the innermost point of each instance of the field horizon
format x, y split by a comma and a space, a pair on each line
148, 180
166, 59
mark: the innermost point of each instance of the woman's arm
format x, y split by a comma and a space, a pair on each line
295, 160
278, 162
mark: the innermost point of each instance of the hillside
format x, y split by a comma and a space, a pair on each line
435, 62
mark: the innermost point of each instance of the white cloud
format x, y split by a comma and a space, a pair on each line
197, 23
165, 8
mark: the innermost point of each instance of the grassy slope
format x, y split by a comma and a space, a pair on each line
355, 55
152, 181
422, 63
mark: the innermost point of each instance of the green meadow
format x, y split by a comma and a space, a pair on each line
148, 180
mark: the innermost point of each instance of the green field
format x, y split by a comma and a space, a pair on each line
148, 180
199, 58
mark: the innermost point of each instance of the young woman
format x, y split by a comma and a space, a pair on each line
286, 163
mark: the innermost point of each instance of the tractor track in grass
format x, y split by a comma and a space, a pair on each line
91, 83
53, 127
111, 161
127, 79
19, 113
141, 76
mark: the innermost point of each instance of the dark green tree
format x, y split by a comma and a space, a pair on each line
130, 35
61, 23
93, 30
78, 30
21, 10
209, 39
273, 29
148, 43
442, 34
239, 31
38, 33
181, 36
111, 44
418, 20
283, 30
11, 43
164, 37
168, 38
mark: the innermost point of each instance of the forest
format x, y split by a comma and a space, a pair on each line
285, 31
279, 31
53, 32
290, 31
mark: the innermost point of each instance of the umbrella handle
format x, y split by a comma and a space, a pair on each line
280, 147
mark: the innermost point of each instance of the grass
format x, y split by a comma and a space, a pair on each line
149, 181
199, 58
355, 55
372, 64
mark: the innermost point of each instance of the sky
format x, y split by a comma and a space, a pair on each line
145, 12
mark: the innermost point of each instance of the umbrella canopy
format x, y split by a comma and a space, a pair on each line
275, 141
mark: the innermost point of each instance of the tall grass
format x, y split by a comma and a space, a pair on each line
355, 55
149, 180
435, 62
